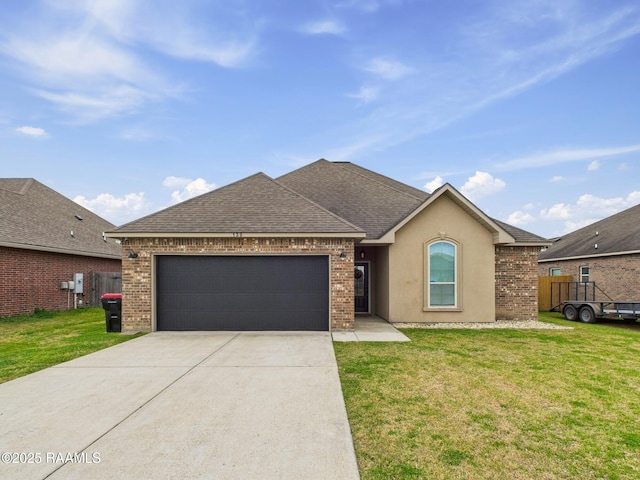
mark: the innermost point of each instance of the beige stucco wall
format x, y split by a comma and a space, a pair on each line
476, 269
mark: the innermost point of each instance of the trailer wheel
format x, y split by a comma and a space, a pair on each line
587, 315
570, 313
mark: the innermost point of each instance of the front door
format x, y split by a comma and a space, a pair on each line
361, 287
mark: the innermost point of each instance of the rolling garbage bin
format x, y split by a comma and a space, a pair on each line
112, 304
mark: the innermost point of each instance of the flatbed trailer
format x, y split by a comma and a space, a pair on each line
591, 312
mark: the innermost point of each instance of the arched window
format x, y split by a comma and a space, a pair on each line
442, 275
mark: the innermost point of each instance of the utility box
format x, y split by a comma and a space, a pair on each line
112, 304
78, 280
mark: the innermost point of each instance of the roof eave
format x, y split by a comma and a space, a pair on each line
386, 239
389, 238
124, 234
528, 244
41, 248
596, 255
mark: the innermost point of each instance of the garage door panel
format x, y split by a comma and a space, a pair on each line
242, 293
237, 302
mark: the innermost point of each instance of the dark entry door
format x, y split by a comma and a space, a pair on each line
242, 292
361, 287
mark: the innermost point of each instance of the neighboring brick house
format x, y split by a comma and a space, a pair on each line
45, 239
315, 247
606, 252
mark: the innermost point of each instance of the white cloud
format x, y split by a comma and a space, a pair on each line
572, 226
32, 131
366, 94
116, 209
434, 184
563, 156
75, 57
139, 134
96, 105
368, 6
187, 188
482, 184
233, 54
324, 27
559, 211
505, 54
520, 218
593, 166
387, 69
172, 28
556, 179
588, 209
86, 57
607, 206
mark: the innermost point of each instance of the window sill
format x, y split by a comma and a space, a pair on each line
442, 309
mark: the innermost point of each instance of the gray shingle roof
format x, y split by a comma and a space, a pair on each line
256, 204
522, 236
372, 201
403, 187
34, 216
323, 197
614, 234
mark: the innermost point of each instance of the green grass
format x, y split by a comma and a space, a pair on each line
31, 343
496, 404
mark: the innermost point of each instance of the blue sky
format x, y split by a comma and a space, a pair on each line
531, 108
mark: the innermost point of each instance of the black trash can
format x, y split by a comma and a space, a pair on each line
112, 304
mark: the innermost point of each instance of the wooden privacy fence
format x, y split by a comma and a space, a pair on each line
545, 300
104, 282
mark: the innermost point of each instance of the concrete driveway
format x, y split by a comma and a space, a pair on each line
213, 405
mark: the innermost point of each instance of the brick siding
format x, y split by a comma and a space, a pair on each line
137, 274
617, 276
30, 279
516, 283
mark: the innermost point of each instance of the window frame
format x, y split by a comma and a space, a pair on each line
457, 305
555, 272
583, 275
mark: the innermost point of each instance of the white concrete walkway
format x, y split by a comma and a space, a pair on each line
219, 405
371, 329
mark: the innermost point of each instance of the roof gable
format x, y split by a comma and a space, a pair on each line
256, 205
500, 235
619, 233
33, 216
367, 199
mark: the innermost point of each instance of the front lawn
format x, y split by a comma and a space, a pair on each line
496, 404
31, 343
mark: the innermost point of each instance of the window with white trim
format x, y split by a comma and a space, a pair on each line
584, 274
442, 274
555, 272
